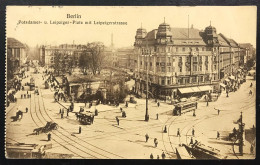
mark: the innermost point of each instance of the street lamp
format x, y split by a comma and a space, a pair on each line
146, 109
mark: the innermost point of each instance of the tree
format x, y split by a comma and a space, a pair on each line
60, 62
96, 51
84, 61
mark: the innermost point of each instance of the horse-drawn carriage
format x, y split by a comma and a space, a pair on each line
17, 116
84, 118
48, 127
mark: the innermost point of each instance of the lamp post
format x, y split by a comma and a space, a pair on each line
146, 109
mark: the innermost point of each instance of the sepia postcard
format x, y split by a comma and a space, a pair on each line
130, 82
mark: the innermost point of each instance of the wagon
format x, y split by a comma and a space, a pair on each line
48, 127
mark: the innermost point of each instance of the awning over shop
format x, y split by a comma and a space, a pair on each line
74, 84
195, 89
227, 80
205, 88
185, 90
223, 85
232, 77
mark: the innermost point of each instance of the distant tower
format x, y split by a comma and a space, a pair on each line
112, 43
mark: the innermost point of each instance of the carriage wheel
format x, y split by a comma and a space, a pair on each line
56, 127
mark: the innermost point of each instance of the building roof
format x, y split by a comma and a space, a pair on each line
179, 36
14, 43
222, 40
229, 41
245, 45
183, 33
80, 78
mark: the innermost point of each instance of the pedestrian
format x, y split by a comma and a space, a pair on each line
158, 104
157, 116
158, 157
21, 96
79, 129
60, 111
194, 114
26, 110
178, 132
117, 120
61, 115
67, 112
121, 109
155, 142
49, 137
126, 104
234, 130
124, 114
163, 155
146, 138
193, 132
151, 156
227, 94
191, 140
93, 116
218, 135
165, 129
207, 103
96, 112
196, 105
218, 111
24, 96
252, 149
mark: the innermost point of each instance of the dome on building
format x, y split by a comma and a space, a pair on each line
164, 30
211, 30
140, 33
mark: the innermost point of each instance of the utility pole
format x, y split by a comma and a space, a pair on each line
241, 132
146, 109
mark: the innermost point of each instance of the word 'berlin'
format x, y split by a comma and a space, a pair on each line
73, 16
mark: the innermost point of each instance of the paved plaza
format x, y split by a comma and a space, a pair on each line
105, 139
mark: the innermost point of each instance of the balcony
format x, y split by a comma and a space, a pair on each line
197, 72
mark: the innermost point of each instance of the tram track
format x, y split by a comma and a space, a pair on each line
60, 143
243, 108
72, 140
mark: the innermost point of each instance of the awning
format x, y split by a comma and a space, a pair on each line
205, 88
185, 90
232, 77
227, 80
223, 85
195, 89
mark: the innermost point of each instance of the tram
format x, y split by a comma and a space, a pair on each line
183, 107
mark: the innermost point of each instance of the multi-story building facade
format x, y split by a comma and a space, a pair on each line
47, 53
125, 58
16, 55
247, 52
182, 57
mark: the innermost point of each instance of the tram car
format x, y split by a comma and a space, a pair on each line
183, 107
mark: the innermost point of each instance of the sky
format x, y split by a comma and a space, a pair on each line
238, 23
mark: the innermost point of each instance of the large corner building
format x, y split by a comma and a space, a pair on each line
182, 59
